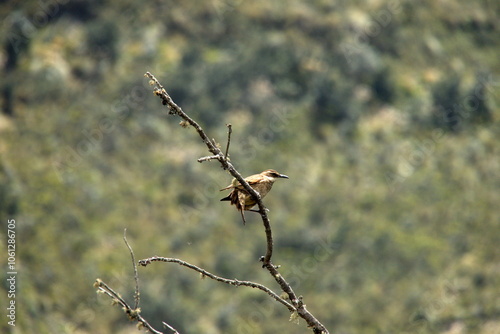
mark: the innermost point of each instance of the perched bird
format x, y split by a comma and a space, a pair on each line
262, 183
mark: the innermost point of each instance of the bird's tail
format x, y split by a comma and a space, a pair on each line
228, 198
243, 217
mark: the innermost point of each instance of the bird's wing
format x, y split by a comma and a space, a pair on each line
254, 179
251, 180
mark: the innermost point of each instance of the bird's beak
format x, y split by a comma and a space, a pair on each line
284, 176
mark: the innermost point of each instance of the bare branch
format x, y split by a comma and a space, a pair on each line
205, 273
212, 147
136, 275
175, 109
208, 158
170, 327
317, 326
229, 131
132, 313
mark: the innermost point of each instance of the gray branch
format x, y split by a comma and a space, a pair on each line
174, 109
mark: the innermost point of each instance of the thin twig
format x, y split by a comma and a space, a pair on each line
170, 327
136, 275
229, 131
208, 158
205, 273
132, 313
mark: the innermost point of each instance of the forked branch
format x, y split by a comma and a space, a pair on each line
133, 313
205, 273
296, 302
174, 109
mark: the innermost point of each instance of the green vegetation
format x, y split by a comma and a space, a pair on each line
384, 115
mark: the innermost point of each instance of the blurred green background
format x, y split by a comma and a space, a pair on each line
383, 113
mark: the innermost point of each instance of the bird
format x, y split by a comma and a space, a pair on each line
262, 183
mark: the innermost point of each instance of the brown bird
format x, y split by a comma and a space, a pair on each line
262, 183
